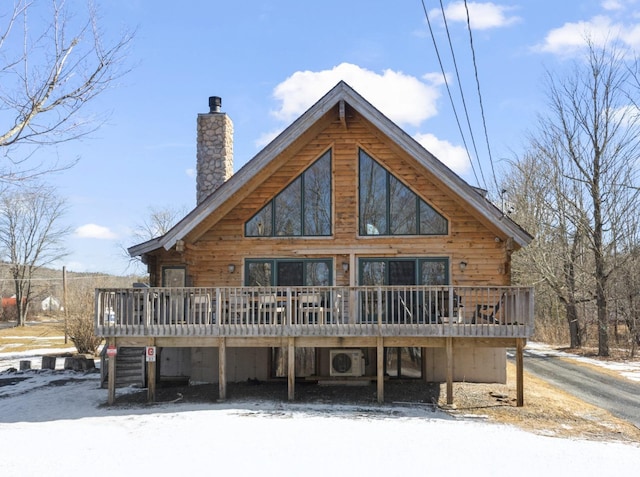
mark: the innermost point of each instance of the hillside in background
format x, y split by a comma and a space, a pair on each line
48, 282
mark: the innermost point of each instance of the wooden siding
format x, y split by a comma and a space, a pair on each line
219, 240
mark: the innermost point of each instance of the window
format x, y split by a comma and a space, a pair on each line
303, 208
286, 272
174, 276
407, 303
388, 207
404, 271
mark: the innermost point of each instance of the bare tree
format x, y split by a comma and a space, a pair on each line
159, 221
554, 261
30, 237
591, 136
52, 66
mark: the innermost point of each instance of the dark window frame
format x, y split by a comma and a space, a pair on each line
363, 228
274, 268
303, 213
418, 261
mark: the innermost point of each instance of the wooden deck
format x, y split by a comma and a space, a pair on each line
281, 312
377, 317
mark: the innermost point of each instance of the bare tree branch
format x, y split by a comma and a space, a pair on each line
48, 84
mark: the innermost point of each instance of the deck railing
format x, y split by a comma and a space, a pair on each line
316, 311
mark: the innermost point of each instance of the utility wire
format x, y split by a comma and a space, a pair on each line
444, 76
464, 103
484, 122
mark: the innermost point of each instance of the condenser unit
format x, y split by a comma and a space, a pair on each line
346, 362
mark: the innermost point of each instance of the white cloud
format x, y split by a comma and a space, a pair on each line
601, 30
403, 98
617, 5
482, 16
191, 172
455, 157
266, 138
95, 231
612, 5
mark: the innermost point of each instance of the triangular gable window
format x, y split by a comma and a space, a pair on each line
303, 208
388, 207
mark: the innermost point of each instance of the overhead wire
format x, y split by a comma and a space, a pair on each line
484, 122
444, 75
462, 96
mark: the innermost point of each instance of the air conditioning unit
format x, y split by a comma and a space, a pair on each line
346, 362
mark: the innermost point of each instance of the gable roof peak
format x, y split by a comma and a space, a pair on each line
341, 91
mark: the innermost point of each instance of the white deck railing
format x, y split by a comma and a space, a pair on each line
316, 311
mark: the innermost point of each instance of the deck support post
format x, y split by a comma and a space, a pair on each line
520, 344
111, 380
423, 364
449, 370
380, 369
222, 369
291, 368
151, 376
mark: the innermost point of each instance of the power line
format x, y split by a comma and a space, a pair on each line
464, 103
455, 113
484, 122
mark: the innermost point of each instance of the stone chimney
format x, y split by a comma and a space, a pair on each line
214, 149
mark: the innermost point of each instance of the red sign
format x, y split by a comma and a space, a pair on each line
151, 353
111, 351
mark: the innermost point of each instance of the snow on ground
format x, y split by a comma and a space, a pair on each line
55, 423
11, 359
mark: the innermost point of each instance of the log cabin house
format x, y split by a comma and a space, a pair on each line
342, 251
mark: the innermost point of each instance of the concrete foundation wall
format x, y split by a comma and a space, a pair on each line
476, 365
480, 365
174, 363
242, 364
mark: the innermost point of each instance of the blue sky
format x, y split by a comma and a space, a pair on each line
271, 60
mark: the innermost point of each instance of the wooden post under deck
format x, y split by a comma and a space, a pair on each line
291, 368
520, 344
380, 369
111, 381
449, 370
151, 376
222, 369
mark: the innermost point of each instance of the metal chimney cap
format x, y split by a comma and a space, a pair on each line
215, 102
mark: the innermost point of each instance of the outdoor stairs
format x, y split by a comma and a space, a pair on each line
130, 367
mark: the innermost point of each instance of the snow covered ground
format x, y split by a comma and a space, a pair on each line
52, 429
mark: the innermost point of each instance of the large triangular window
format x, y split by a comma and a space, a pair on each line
388, 207
303, 208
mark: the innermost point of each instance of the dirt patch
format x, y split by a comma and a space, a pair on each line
547, 410
396, 392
